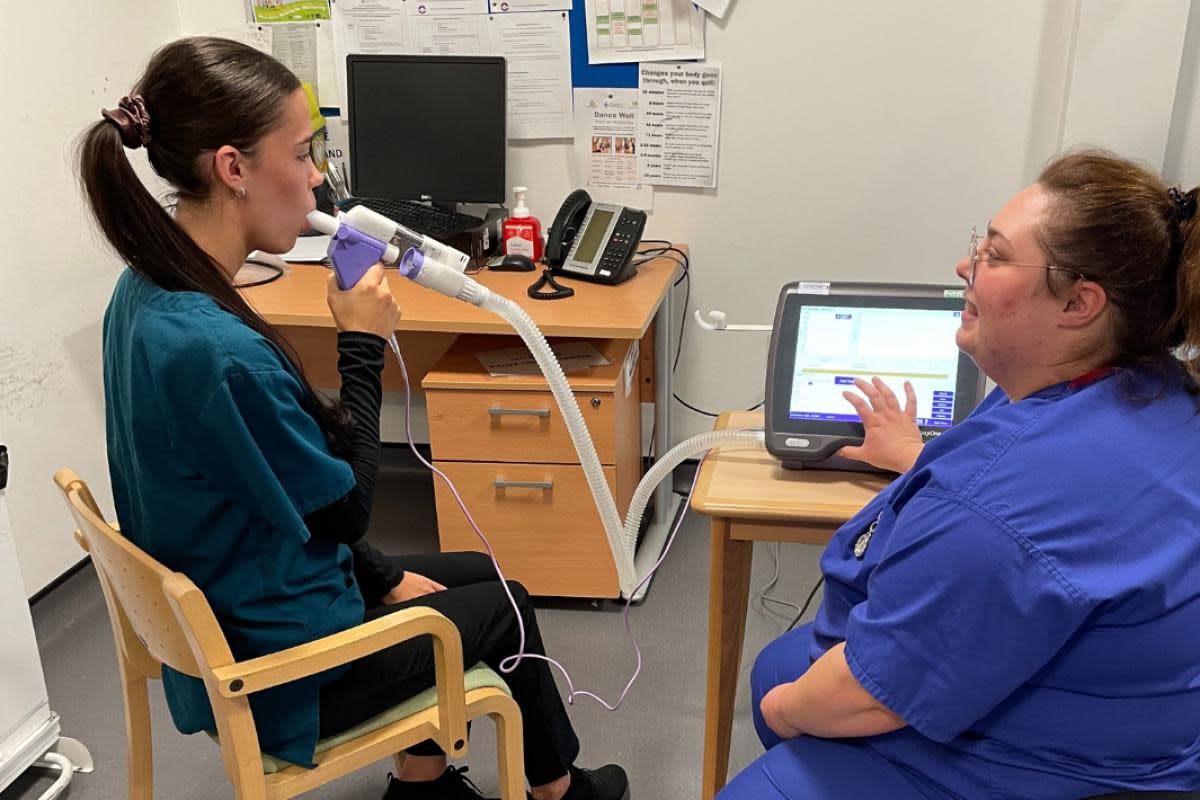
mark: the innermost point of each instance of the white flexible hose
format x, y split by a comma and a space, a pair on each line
664, 466
622, 537
514, 315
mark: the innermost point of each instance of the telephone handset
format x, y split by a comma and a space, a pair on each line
594, 241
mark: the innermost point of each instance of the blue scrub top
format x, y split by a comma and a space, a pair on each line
214, 464
1030, 599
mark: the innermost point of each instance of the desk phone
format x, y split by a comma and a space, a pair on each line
595, 241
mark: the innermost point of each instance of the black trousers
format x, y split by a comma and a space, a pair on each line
475, 602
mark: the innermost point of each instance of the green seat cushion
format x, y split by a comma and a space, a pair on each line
479, 676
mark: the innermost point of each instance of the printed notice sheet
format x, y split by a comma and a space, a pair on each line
538, 49
465, 35
715, 7
606, 148
295, 44
433, 8
289, 10
371, 26
367, 26
643, 30
679, 123
260, 37
505, 6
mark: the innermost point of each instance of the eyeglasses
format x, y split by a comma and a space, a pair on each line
973, 259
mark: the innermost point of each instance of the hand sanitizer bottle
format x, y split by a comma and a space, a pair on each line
522, 231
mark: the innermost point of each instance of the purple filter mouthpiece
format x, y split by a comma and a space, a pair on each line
411, 263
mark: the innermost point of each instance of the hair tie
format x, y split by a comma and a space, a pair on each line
1185, 205
132, 120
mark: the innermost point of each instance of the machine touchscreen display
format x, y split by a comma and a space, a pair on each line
836, 344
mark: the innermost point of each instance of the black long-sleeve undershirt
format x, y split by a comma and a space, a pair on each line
360, 364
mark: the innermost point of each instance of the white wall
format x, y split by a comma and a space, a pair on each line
55, 277
860, 140
1182, 162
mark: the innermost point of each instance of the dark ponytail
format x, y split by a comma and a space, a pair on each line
1185, 322
1121, 226
199, 94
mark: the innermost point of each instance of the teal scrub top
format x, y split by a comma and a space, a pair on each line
214, 464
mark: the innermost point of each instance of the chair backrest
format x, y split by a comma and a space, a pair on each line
144, 623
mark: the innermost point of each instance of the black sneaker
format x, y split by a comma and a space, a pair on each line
605, 783
452, 785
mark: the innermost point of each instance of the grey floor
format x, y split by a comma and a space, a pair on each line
656, 735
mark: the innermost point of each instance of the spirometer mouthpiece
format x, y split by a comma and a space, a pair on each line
322, 222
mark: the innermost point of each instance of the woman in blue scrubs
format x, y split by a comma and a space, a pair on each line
1016, 615
227, 466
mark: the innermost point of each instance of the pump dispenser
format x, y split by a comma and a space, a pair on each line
522, 231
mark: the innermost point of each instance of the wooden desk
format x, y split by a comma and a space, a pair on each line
751, 497
430, 322
596, 311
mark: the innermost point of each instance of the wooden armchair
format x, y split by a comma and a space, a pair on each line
161, 617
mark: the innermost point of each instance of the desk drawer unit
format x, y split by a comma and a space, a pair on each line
516, 426
503, 442
540, 519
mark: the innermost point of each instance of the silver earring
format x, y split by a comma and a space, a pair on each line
241, 192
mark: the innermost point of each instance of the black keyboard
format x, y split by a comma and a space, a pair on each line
421, 218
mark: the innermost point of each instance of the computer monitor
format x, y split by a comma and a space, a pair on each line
427, 127
827, 334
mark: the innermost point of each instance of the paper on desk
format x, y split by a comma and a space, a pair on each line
308, 250
605, 160
679, 123
643, 30
574, 357
537, 47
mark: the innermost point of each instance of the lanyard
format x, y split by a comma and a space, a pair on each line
1089, 377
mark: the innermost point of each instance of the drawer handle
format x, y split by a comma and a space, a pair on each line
496, 411
499, 484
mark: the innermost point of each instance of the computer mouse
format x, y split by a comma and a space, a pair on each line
512, 263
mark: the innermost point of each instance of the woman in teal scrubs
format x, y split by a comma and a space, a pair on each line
1015, 616
226, 464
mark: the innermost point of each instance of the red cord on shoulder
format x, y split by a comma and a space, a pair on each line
1090, 377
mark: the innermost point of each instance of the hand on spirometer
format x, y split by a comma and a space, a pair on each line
893, 440
366, 307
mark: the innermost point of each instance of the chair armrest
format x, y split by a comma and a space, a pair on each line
310, 658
